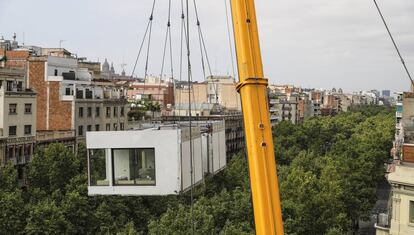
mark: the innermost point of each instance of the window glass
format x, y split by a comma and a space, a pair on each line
134, 166
98, 168
27, 129
28, 108
12, 108
12, 130
411, 212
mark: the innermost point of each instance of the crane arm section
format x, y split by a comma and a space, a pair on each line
253, 91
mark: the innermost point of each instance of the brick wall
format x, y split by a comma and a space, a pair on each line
38, 84
15, 59
60, 112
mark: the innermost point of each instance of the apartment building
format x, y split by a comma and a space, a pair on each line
399, 218
215, 95
70, 99
17, 119
155, 89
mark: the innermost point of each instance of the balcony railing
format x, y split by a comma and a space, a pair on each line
50, 135
383, 221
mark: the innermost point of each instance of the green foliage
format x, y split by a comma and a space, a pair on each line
46, 218
12, 210
53, 170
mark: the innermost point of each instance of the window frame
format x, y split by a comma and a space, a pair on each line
80, 112
89, 112
27, 126
80, 130
15, 109
25, 108
15, 130
135, 184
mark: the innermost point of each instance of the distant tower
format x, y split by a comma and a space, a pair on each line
112, 69
14, 44
333, 90
105, 67
340, 91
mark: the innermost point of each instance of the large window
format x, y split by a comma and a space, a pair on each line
108, 112
133, 166
89, 112
97, 112
98, 168
80, 130
80, 112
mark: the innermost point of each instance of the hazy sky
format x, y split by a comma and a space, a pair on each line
310, 43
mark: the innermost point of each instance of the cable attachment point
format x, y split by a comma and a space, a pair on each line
151, 18
261, 126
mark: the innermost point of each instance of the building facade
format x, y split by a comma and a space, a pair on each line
399, 219
17, 119
70, 99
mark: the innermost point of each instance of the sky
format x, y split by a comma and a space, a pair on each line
307, 43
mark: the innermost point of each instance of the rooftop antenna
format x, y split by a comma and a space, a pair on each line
60, 43
23, 39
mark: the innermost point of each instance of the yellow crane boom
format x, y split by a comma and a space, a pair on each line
253, 91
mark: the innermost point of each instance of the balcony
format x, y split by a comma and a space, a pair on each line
67, 98
54, 78
53, 135
382, 224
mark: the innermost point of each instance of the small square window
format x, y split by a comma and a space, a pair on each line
28, 108
27, 129
12, 130
108, 127
97, 127
89, 128
12, 108
115, 126
115, 111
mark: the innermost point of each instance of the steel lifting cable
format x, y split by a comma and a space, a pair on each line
229, 39
189, 80
203, 51
167, 38
394, 43
142, 43
149, 45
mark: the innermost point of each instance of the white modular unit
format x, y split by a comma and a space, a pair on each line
143, 162
214, 148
